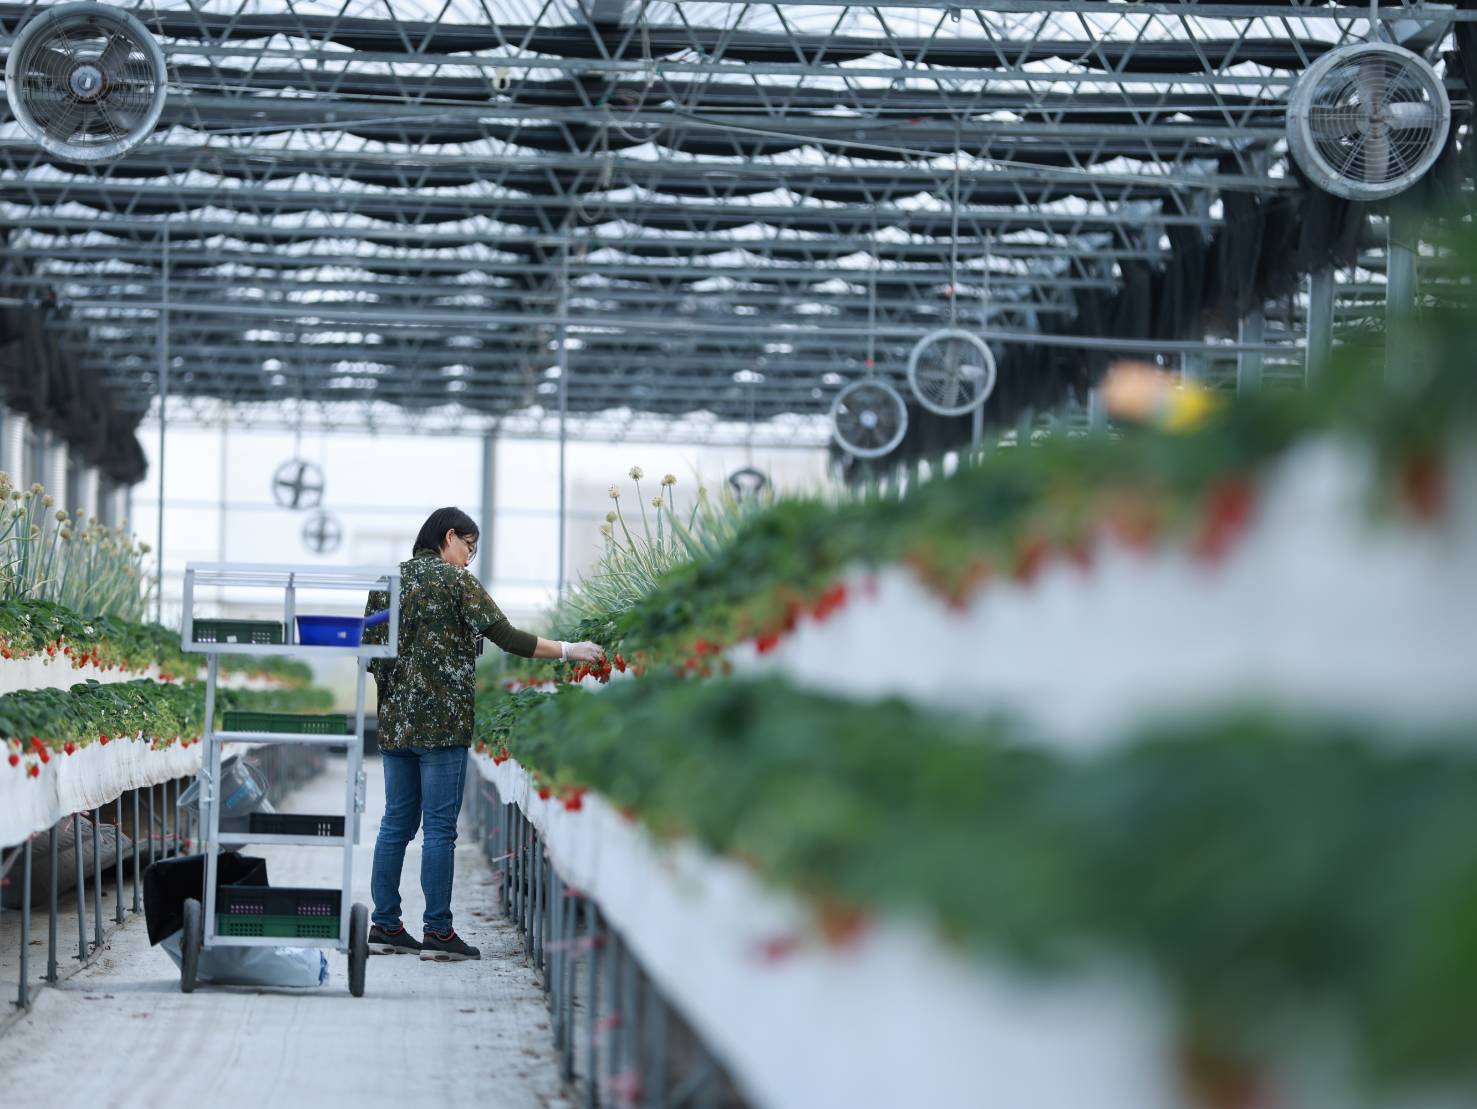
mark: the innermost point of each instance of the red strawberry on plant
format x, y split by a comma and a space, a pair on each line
1423, 486
1228, 511
1031, 555
33, 771
14, 759
69, 747
544, 792
620, 664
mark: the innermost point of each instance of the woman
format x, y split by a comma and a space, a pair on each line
426, 699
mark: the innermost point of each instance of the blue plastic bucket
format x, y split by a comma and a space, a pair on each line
336, 631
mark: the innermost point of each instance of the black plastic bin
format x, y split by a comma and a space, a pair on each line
170, 882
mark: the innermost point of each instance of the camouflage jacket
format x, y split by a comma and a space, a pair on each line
427, 694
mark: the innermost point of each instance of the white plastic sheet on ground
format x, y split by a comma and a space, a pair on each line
895, 1019
1320, 606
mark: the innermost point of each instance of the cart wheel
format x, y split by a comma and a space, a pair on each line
358, 947
190, 941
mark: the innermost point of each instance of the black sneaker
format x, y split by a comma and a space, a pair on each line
448, 948
399, 942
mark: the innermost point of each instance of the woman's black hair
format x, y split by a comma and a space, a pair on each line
433, 531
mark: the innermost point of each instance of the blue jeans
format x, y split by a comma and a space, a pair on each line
422, 785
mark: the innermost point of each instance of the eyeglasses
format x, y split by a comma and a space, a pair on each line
470, 544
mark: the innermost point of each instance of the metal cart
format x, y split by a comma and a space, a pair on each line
257, 918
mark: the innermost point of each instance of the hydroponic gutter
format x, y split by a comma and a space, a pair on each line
744, 965
1320, 605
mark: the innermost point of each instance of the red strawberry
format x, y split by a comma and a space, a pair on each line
620, 664
33, 771
575, 801
69, 747
103, 740
14, 759
1030, 557
767, 643
1423, 486
1228, 511
544, 793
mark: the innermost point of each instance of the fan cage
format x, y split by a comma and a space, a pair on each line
869, 419
951, 371
1368, 121
86, 81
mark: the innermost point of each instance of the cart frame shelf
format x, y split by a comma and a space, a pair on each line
289, 579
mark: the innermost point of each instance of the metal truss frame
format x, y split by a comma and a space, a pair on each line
371, 212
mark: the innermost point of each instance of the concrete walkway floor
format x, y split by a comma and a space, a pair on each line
120, 1034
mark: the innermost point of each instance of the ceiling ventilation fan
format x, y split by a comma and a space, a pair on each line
86, 81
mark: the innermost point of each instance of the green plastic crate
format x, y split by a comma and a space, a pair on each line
237, 631
286, 927
293, 723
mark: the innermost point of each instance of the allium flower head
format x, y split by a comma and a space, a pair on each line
48, 500
37, 487
610, 517
615, 492
656, 502
66, 533
637, 473
605, 530
669, 479
61, 515
144, 548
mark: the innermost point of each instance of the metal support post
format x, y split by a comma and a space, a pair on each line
552, 984
630, 1016
1320, 324
163, 419
489, 506
137, 856
23, 993
153, 847
1097, 412
654, 1083
540, 906
506, 863
1192, 368
81, 888
97, 878
568, 979
1249, 362
1403, 230
592, 1006
616, 1023
51, 939
118, 862
563, 343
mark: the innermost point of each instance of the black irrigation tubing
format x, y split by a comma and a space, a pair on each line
286, 769
618, 1041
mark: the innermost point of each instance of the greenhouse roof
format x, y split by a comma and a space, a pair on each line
393, 212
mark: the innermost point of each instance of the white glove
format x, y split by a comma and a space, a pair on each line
581, 652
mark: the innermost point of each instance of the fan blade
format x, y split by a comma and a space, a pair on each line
1407, 116
1371, 88
63, 125
1377, 153
1334, 122
115, 54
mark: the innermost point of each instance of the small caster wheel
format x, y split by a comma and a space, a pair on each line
358, 947
191, 939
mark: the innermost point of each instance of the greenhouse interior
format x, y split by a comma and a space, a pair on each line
796, 555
